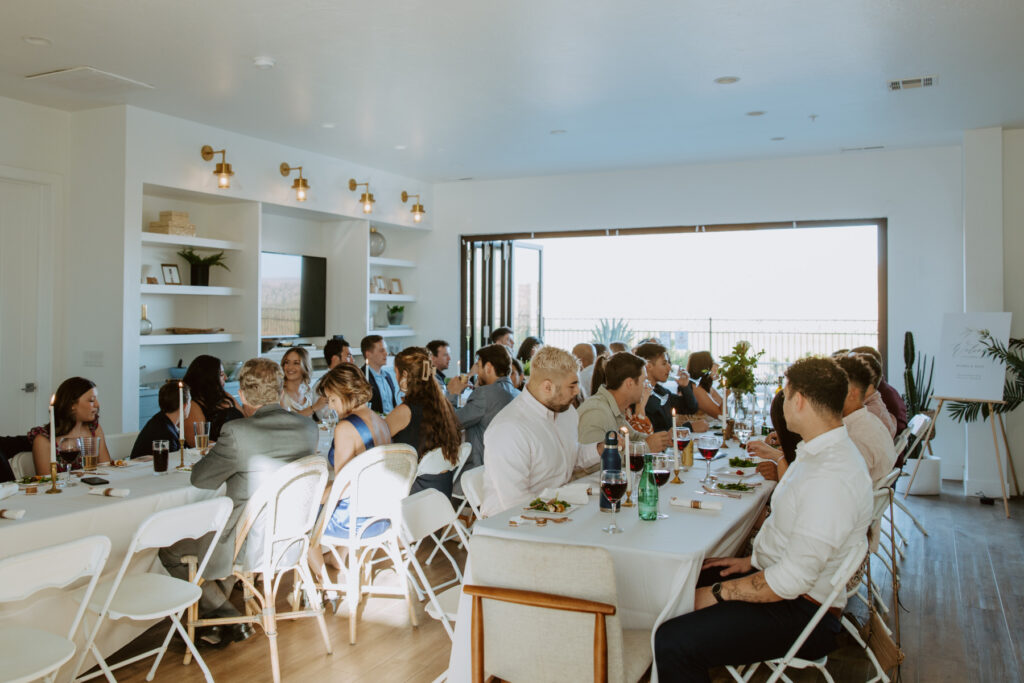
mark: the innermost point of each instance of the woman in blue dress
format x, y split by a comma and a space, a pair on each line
358, 430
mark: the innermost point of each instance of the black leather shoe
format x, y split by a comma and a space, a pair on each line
213, 636
242, 632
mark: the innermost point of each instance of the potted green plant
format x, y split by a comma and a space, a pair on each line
395, 314
918, 372
200, 265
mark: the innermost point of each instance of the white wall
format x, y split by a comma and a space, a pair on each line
1013, 272
34, 137
918, 191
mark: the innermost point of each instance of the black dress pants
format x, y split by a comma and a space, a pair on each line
733, 632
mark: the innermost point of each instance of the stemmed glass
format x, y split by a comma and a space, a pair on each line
742, 430
708, 445
637, 449
682, 436
660, 466
613, 486
69, 449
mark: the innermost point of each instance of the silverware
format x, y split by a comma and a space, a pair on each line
725, 494
545, 520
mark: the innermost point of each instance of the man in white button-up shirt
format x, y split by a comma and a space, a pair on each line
531, 444
821, 509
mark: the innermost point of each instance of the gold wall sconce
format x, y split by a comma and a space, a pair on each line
366, 199
417, 208
301, 185
222, 170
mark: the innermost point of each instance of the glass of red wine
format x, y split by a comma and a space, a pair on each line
637, 449
661, 466
708, 445
613, 487
69, 450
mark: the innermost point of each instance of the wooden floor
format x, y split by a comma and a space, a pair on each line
962, 594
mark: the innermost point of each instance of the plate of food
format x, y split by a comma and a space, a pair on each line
553, 507
739, 467
737, 486
35, 480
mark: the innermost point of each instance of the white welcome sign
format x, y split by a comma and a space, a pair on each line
962, 368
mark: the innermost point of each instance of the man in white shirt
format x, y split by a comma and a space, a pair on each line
866, 431
586, 355
758, 605
532, 443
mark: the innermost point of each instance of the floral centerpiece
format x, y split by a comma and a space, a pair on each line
737, 373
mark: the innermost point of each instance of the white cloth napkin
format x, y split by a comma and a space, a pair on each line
575, 494
12, 514
113, 493
696, 503
8, 489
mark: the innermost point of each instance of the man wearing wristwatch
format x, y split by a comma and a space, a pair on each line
750, 609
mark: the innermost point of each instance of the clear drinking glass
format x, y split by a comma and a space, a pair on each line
202, 436
742, 430
637, 449
708, 445
91, 452
613, 486
661, 465
161, 452
69, 450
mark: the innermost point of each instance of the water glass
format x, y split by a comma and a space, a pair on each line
161, 452
202, 436
91, 452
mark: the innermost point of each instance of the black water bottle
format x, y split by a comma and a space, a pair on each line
611, 459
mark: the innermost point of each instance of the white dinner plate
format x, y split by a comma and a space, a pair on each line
544, 513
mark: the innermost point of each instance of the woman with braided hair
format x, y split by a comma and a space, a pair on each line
425, 419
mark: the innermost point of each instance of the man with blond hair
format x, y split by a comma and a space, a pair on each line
245, 456
532, 443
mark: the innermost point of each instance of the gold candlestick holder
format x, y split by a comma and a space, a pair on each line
53, 479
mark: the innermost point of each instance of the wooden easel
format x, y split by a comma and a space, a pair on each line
992, 417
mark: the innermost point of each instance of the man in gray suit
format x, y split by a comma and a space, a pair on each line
494, 391
245, 456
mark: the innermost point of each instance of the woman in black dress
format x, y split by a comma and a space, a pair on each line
205, 378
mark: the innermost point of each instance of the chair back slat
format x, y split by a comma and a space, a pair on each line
23, 575
166, 527
425, 512
473, 488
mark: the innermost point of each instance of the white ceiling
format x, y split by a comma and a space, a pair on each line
473, 88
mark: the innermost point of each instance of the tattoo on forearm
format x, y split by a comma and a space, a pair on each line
752, 588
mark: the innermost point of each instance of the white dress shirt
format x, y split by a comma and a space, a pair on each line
586, 377
872, 439
820, 510
530, 448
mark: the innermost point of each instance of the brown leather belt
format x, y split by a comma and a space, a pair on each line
836, 612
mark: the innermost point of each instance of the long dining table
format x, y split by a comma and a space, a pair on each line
656, 562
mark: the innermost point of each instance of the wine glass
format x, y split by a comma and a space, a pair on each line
613, 486
708, 445
661, 463
69, 449
682, 436
637, 449
742, 430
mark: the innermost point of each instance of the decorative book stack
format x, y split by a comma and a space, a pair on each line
173, 223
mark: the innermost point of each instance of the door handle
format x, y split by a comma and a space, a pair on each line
29, 387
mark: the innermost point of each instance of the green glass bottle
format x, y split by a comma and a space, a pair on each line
647, 491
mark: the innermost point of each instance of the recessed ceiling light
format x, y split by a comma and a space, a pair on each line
559, 131
327, 125
755, 113
778, 139
727, 80
37, 40
263, 62
399, 147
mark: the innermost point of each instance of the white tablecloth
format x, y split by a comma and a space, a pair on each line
656, 563
53, 519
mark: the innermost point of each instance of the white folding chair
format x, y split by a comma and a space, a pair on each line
147, 596
26, 653
424, 514
919, 429
842, 576
465, 450
375, 482
120, 445
283, 510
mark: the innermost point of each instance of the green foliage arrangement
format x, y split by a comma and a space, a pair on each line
396, 309
1012, 355
195, 259
609, 330
917, 377
737, 369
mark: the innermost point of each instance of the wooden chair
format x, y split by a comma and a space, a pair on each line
551, 614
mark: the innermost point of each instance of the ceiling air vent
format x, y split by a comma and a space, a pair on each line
87, 80
911, 83
869, 148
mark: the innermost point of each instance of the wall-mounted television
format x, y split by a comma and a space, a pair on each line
293, 295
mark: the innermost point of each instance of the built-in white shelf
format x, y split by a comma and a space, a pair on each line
394, 331
188, 289
394, 298
391, 262
157, 239
400, 226
176, 339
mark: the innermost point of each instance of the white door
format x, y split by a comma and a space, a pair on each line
24, 221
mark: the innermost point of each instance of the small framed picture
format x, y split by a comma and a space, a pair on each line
170, 273
150, 280
396, 286
380, 284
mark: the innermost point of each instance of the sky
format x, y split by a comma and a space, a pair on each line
813, 273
